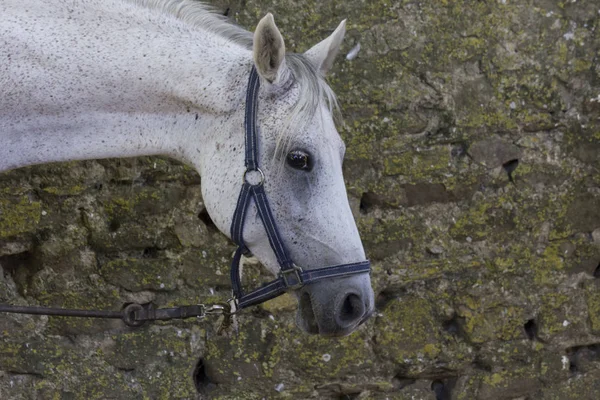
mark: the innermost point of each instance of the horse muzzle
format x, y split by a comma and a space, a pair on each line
335, 307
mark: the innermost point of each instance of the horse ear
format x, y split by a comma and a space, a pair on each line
268, 48
323, 54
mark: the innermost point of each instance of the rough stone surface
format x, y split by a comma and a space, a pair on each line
486, 288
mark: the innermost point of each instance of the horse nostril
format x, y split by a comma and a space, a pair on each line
352, 310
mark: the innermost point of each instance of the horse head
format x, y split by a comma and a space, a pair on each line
300, 154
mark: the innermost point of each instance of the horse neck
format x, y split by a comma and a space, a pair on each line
123, 81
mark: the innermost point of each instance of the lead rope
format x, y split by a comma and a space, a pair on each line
133, 315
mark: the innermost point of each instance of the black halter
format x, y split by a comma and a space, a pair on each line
291, 276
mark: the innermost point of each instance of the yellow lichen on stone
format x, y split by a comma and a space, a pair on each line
287, 302
407, 328
18, 216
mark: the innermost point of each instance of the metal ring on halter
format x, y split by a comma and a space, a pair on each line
262, 177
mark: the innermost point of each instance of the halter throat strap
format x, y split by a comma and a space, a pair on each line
290, 276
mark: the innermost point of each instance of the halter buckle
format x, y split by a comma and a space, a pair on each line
296, 282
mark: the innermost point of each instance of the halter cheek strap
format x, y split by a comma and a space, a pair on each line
290, 276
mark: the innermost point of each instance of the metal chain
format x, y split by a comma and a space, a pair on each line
133, 314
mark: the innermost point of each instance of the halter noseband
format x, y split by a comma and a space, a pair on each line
291, 276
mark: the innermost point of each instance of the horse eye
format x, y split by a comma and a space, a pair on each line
299, 160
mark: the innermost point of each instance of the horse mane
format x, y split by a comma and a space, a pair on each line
201, 15
312, 87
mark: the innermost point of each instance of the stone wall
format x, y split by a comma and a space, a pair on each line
473, 134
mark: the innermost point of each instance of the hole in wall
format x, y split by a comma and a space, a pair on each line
573, 367
597, 271
582, 359
459, 150
202, 381
21, 268
510, 167
11, 262
367, 202
453, 325
114, 225
531, 329
440, 389
150, 252
205, 218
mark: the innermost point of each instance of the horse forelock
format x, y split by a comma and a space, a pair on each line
313, 94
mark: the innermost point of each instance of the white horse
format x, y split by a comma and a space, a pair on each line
92, 79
